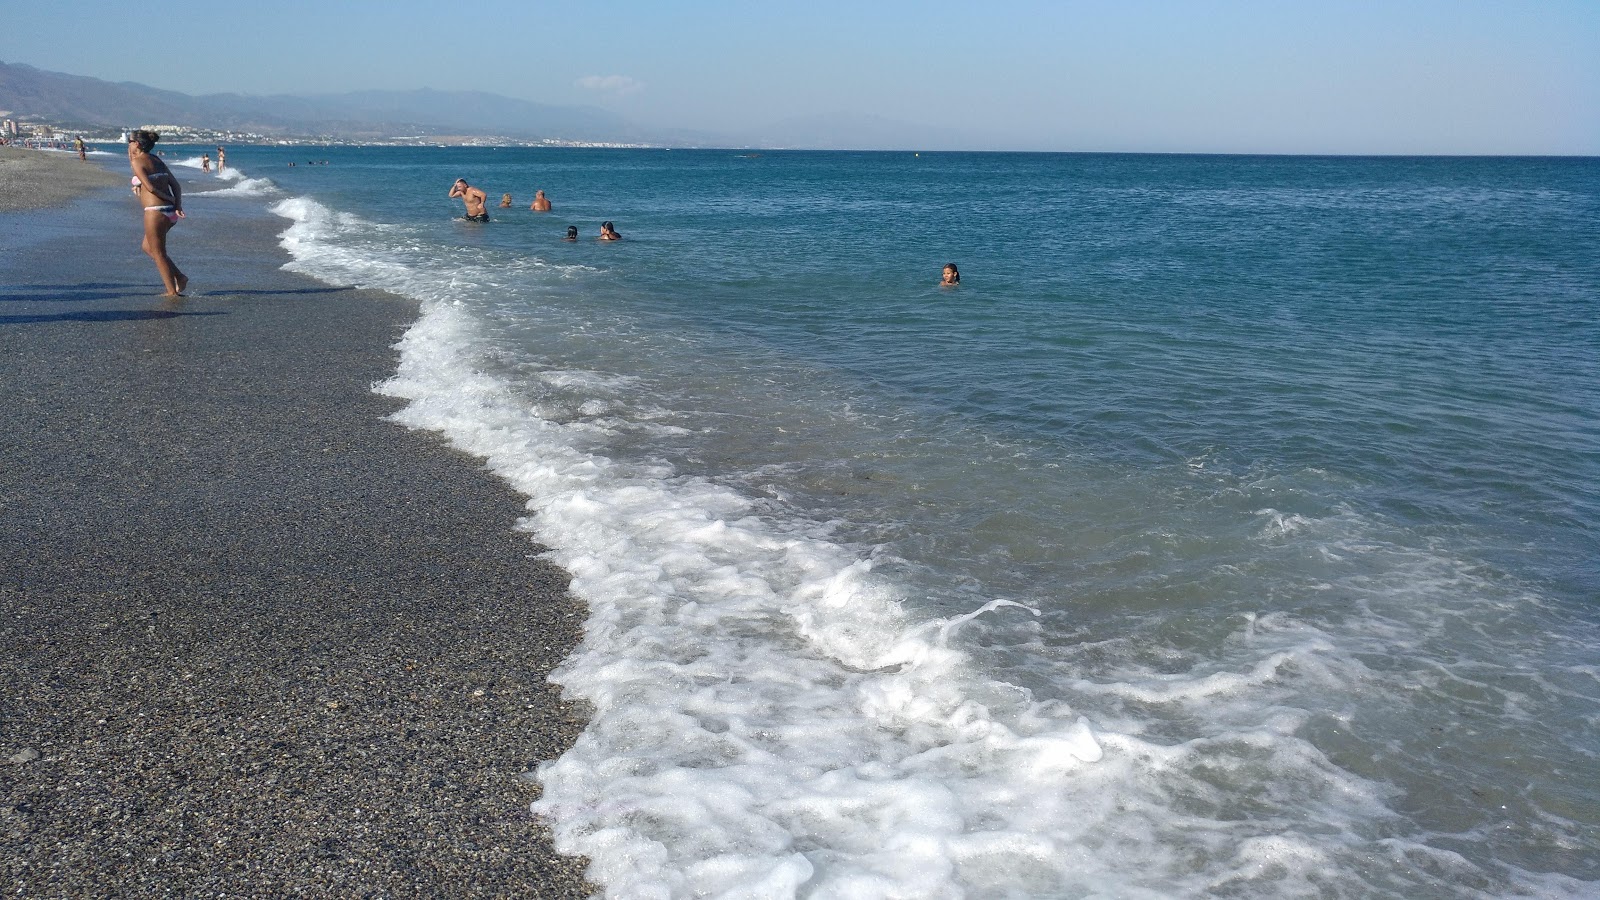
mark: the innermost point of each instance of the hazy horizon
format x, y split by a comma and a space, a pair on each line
1238, 76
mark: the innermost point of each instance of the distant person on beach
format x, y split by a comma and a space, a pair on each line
222, 160
505, 201
572, 233
82, 150
540, 202
609, 233
162, 197
205, 162
472, 198
951, 276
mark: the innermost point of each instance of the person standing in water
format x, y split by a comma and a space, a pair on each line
472, 198
540, 202
222, 160
162, 197
205, 162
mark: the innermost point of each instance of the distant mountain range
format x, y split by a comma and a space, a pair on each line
75, 102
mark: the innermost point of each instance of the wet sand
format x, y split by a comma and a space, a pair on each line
258, 641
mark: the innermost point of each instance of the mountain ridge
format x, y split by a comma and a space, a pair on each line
78, 100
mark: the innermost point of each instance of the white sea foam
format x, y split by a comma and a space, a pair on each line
767, 720
244, 187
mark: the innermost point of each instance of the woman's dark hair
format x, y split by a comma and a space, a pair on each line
145, 139
572, 229
954, 271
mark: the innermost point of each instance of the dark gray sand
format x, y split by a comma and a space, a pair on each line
255, 641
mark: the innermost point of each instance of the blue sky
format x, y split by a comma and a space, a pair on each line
1336, 76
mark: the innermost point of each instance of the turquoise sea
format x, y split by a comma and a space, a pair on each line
1231, 530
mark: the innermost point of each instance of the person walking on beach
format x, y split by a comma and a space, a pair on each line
540, 202
82, 155
472, 198
162, 197
609, 233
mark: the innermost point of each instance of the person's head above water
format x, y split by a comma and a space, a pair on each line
572, 232
951, 275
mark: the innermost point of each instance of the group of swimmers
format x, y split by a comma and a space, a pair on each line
474, 198
222, 161
540, 203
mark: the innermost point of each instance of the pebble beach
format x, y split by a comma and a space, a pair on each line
259, 640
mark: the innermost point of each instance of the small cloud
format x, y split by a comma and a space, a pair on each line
615, 84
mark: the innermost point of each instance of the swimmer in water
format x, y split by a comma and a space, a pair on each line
572, 233
951, 276
609, 233
472, 198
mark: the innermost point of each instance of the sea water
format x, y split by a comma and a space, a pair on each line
1232, 528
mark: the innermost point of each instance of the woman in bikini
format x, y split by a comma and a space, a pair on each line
162, 197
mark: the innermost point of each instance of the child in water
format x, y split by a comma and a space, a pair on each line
951, 276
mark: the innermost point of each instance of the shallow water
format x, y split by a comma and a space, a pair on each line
1271, 478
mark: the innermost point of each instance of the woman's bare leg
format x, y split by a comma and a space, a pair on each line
156, 226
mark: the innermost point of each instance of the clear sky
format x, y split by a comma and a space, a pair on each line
1273, 76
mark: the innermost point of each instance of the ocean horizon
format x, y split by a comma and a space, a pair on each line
1230, 529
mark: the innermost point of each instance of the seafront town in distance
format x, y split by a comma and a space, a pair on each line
57, 136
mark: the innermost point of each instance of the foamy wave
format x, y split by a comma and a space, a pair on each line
248, 187
749, 683
768, 721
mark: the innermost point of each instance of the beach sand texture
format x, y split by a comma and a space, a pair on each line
258, 641
36, 179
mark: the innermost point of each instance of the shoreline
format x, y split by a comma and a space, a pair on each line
262, 642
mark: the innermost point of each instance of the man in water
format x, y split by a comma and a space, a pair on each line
472, 198
540, 202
